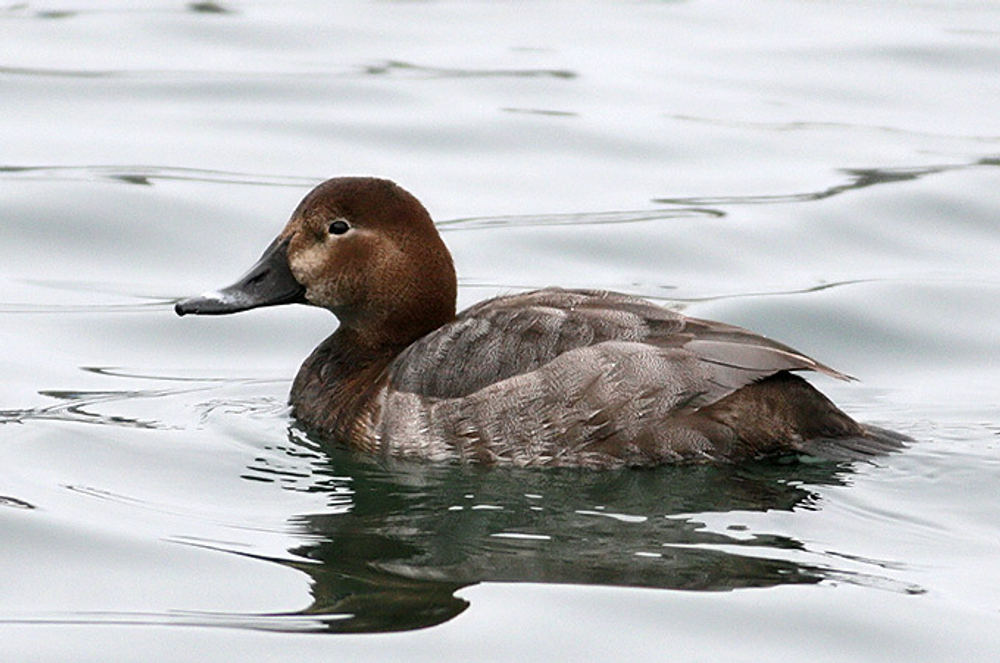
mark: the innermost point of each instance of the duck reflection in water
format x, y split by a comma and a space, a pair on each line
402, 537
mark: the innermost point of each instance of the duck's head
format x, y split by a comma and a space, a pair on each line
361, 247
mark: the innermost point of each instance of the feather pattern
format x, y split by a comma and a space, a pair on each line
579, 377
508, 336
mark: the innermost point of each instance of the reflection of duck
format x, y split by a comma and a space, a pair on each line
416, 533
551, 377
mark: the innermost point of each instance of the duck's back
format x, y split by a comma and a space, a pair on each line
571, 377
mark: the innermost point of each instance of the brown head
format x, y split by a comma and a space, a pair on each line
361, 247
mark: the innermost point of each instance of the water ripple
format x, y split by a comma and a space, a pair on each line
573, 219
836, 126
653, 291
386, 68
144, 307
7, 500
147, 175
22, 10
278, 622
77, 407
860, 178
410, 70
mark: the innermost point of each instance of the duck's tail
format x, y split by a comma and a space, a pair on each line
873, 441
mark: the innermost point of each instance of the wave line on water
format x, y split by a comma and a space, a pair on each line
860, 178
32, 309
806, 125
573, 219
277, 622
75, 407
382, 68
145, 175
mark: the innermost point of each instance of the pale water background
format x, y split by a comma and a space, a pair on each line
826, 173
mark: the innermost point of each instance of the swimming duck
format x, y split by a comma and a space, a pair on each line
551, 377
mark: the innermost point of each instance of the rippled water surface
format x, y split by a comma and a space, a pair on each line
824, 173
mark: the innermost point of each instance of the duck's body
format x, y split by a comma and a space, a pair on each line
550, 377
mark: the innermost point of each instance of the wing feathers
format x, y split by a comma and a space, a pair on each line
509, 336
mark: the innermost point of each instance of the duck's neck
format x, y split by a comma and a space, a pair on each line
336, 389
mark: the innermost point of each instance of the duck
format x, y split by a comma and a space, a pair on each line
552, 377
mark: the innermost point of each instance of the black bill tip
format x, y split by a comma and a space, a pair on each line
214, 303
268, 283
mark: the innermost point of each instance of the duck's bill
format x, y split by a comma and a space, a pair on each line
268, 283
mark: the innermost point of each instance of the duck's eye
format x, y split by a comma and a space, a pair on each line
339, 227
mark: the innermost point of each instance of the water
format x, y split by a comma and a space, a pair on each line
824, 173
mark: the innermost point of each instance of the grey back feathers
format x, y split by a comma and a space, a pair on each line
500, 338
576, 377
